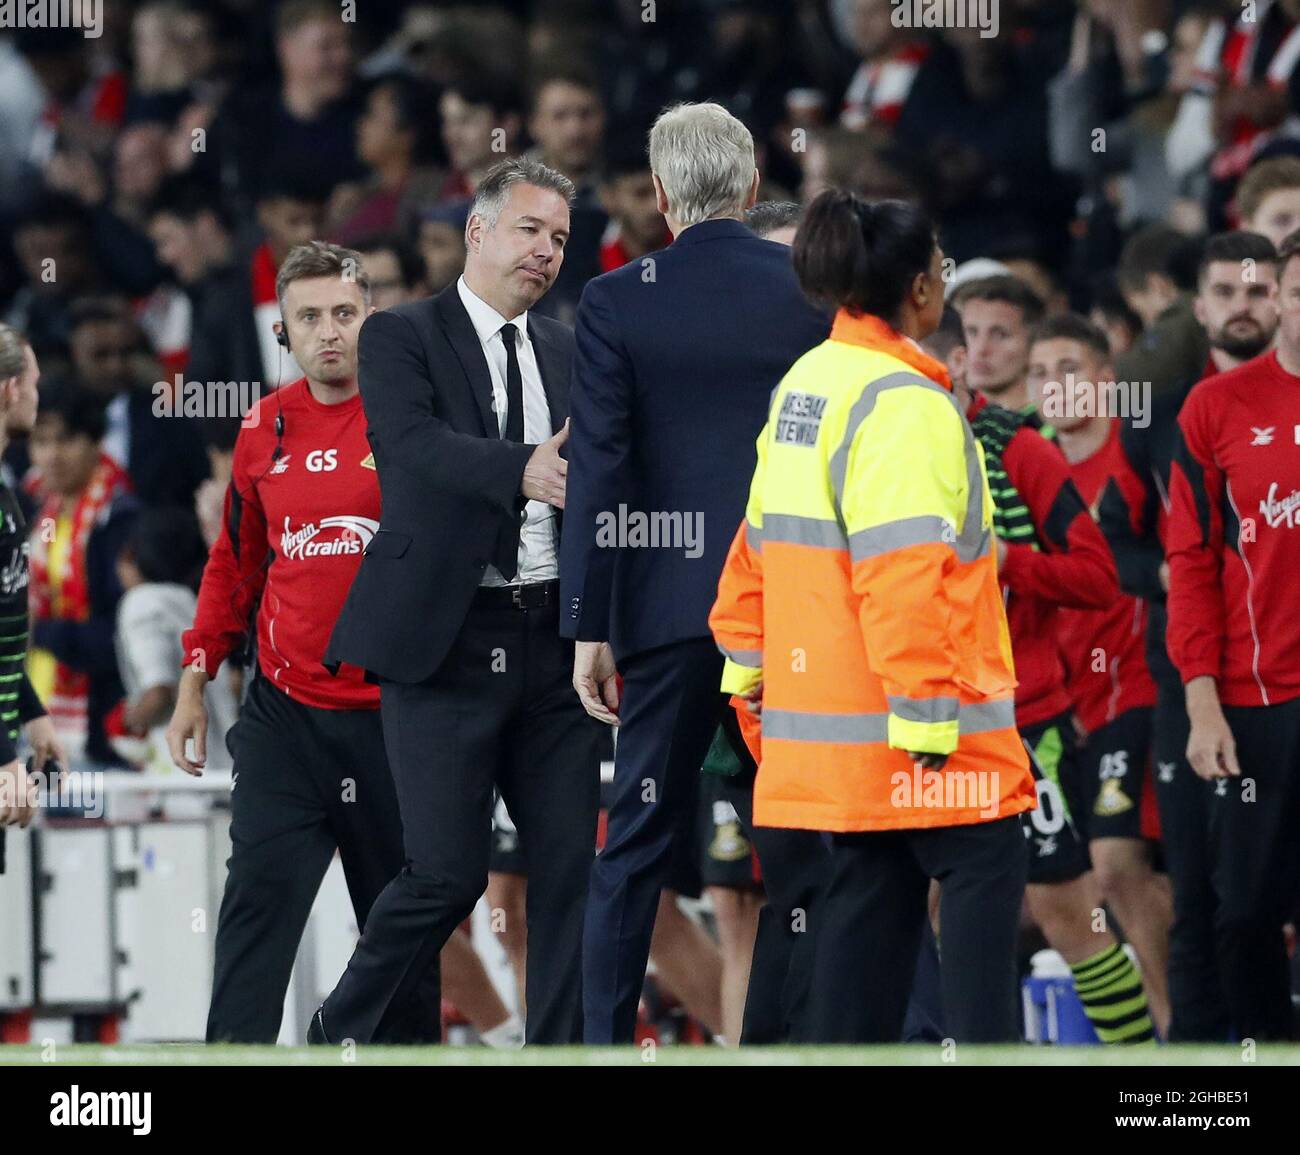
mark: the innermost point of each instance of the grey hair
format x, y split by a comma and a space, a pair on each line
321, 259
12, 344
704, 158
494, 189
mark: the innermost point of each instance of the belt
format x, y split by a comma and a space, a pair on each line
532, 596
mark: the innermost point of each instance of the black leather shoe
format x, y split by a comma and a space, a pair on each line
316, 1029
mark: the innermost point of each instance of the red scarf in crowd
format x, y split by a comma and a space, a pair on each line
72, 602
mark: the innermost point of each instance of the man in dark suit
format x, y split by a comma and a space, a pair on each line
164, 455
677, 355
455, 611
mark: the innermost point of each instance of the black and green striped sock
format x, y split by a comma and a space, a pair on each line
1110, 989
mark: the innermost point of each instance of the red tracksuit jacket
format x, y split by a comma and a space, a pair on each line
1071, 565
1105, 649
1234, 535
294, 532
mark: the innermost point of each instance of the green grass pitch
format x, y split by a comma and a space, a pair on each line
187, 1054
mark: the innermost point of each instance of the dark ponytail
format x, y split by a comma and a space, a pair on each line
853, 254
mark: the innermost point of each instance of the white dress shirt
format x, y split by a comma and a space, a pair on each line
537, 556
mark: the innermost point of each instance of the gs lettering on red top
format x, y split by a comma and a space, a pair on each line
294, 531
1234, 534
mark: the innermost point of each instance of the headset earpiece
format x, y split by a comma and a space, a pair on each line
282, 338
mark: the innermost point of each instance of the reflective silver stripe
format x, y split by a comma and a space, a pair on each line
753, 536
799, 726
973, 541
981, 717
899, 534
751, 659
861, 410
796, 530
924, 709
805, 726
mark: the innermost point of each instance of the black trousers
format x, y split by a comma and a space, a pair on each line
670, 709
501, 711
1199, 1011
307, 781
1254, 828
872, 925
795, 864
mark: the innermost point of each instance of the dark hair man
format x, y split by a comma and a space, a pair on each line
1050, 556
1232, 267
290, 212
193, 235
627, 193
998, 314
309, 758
163, 454
1072, 383
1156, 275
481, 119
1234, 550
775, 220
455, 610
305, 122
52, 241
566, 116
1236, 297
394, 267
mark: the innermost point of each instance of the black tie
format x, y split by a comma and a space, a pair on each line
514, 387
507, 546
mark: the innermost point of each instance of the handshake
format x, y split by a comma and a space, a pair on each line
545, 473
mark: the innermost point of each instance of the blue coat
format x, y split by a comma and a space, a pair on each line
675, 361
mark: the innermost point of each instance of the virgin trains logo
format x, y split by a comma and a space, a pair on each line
1280, 511
351, 536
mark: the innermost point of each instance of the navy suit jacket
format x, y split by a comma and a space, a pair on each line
676, 356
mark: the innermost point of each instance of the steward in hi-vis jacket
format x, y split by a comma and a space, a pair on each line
862, 591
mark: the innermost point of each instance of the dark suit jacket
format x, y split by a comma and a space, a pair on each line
223, 338
671, 382
446, 480
168, 458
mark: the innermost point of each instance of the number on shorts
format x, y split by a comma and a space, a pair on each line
1049, 818
1114, 765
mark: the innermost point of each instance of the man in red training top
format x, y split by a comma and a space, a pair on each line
309, 765
1114, 695
1234, 634
1236, 303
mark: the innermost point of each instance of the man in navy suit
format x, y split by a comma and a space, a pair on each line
676, 357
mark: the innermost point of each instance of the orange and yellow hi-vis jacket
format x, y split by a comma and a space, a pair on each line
862, 591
